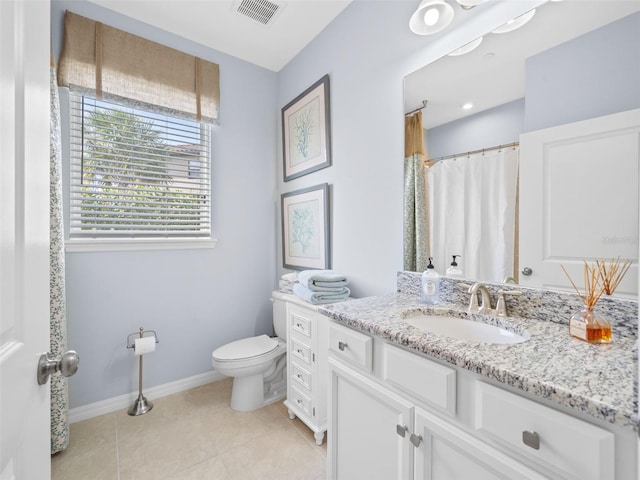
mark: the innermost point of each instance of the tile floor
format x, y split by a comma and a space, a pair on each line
192, 435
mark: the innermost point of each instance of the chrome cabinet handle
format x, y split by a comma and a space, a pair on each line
402, 430
531, 439
415, 439
67, 365
342, 346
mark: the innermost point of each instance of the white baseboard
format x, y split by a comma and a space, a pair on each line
125, 401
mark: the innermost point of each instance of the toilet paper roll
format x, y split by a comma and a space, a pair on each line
145, 345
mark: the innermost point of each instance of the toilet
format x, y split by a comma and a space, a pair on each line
257, 365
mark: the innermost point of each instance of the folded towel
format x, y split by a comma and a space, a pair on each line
320, 297
320, 280
290, 277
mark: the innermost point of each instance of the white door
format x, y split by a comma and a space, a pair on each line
369, 429
24, 238
579, 199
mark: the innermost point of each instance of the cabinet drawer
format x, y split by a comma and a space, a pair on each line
300, 320
300, 376
426, 380
300, 351
301, 401
579, 450
347, 344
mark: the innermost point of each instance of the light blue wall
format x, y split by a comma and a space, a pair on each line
496, 126
592, 75
196, 300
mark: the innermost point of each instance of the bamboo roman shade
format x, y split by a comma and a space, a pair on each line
118, 65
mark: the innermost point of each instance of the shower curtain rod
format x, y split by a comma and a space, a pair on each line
424, 105
431, 161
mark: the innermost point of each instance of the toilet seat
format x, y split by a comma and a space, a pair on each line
247, 348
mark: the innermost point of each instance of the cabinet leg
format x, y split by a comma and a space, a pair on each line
319, 436
292, 416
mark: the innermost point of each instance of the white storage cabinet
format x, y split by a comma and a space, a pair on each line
307, 365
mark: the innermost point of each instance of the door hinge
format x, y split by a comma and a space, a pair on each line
314, 411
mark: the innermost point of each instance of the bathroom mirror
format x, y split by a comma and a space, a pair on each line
503, 77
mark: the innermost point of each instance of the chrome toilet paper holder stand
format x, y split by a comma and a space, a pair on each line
141, 405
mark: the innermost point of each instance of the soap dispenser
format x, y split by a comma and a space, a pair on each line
430, 284
454, 270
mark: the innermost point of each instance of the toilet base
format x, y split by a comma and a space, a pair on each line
248, 393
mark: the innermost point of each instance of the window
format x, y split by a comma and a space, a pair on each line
137, 174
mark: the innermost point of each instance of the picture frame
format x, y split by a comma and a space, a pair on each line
305, 228
306, 131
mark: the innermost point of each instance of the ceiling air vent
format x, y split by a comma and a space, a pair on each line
262, 11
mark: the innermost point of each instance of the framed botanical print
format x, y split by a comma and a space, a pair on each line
305, 228
306, 139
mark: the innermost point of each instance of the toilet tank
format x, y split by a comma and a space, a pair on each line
279, 317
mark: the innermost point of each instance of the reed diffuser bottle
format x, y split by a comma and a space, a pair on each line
586, 324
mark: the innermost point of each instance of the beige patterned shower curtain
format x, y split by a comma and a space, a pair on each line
57, 309
416, 236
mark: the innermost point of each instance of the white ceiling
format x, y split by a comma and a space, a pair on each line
216, 24
493, 74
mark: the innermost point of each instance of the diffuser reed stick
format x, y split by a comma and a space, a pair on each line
593, 287
612, 273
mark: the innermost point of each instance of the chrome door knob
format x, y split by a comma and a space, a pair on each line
67, 365
527, 271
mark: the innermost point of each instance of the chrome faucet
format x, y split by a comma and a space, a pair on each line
485, 302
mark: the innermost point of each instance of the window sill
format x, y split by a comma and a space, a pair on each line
135, 244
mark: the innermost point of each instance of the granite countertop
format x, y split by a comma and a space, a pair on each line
599, 380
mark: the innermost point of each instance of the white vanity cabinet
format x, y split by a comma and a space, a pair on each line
394, 414
307, 366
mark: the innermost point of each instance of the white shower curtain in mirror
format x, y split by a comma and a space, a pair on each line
472, 212
57, 306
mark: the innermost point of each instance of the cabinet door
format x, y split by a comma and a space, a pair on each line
370, 429
444, 452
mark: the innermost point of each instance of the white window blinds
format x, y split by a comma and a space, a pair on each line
137, 174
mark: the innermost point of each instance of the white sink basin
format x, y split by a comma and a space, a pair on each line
464, 329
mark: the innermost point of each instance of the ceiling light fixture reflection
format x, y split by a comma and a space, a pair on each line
467, 106
466, 48
431, 17
516, 23
469, 4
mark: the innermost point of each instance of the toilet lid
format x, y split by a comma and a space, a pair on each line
246, 348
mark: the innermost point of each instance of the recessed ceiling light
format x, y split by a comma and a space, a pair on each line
467, 106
